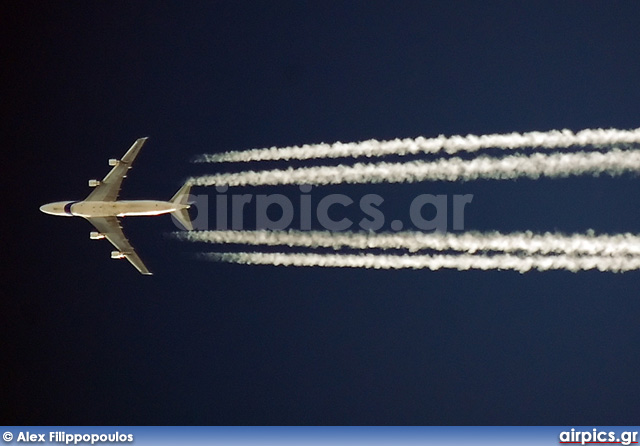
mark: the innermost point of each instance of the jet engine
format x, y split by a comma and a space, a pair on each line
95, 235
114, 162
94, 183
117, 255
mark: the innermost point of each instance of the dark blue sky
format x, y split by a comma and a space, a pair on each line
86, 340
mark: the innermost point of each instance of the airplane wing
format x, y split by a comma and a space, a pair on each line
109, 188
111, 229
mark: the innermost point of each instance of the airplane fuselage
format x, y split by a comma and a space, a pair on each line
102, 208
123, 208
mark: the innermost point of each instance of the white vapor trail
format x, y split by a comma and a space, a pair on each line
470, 143
613, 162
471, 242
435, 262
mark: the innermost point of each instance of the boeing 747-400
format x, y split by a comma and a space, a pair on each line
102, 208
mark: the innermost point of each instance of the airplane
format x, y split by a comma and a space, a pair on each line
102, 208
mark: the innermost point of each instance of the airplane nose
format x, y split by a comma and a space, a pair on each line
47, 208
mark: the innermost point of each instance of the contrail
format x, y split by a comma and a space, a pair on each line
613, 162
459, 262
470, 143
470, 242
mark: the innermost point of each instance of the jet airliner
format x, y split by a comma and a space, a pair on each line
102, 208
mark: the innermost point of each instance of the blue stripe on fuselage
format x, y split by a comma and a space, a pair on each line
67, 207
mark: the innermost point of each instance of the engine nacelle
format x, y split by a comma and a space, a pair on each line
117, 255
96, 235
94, 183
114, 162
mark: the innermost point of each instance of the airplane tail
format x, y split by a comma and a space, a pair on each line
182, 215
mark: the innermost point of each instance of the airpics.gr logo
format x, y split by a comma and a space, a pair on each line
332, 212
597, 436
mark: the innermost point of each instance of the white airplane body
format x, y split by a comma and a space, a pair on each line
122, 208
102, 208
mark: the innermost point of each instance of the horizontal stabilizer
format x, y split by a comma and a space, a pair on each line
182, 215
182, 196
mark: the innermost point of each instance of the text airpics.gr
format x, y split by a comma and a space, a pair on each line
598, 436
230, 210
